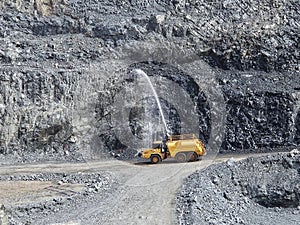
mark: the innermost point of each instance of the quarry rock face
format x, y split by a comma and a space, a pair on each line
60, 61
262, 110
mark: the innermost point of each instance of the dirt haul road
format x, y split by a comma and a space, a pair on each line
145, 194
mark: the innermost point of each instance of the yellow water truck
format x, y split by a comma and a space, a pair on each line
184, 147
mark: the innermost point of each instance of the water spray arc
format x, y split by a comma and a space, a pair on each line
143, 74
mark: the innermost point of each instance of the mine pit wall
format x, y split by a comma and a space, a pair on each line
53, 112
258, 120
47, 112
244, 35
50, 110
263, 113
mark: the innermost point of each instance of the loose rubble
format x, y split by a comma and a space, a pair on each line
96, 185
3, 215
262, 190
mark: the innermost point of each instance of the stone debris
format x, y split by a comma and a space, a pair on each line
96, 184
267, 186
3, 215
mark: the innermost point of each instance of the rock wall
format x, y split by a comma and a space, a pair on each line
244, 35
37, 112
262, 110
52, 57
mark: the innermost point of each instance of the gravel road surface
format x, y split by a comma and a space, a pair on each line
97, 192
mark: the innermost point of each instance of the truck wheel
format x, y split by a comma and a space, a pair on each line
155, 159
181, 157
193, 156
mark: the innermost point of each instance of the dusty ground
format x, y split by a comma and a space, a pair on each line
139, 193
24, 192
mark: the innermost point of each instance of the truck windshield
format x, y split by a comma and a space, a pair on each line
156, 145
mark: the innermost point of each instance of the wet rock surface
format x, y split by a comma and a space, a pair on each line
262, 190
149, 107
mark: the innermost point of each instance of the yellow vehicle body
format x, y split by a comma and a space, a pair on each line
185, 147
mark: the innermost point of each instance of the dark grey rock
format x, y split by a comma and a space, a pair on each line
260, 186
48, 55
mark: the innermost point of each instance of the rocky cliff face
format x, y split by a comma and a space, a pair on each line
262, 110
244, 35
57, 58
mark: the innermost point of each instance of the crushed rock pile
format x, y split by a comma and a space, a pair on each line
262, 190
